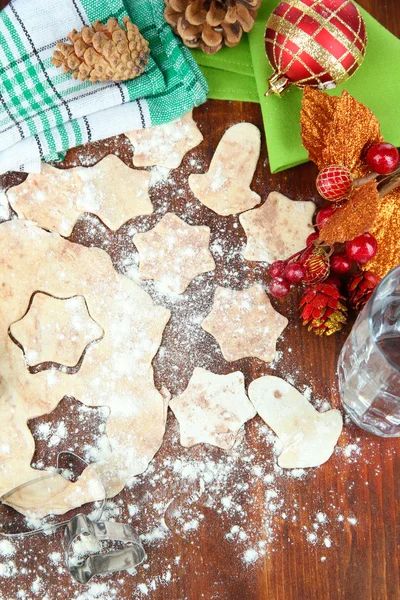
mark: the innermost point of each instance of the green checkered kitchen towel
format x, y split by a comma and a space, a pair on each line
43, 111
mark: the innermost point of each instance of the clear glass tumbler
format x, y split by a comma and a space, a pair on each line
369, 364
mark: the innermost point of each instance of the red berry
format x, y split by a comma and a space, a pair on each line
382, 158
277, 268
340, 264
334, 182
294, 272
312, 237
279, 287
334, 280
362, 248
324, 215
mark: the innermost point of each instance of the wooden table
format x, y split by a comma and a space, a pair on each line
328, 534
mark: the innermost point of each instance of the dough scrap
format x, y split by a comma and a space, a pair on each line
308, 437
174, 252
278, 229
56, 198
56, 330
212, 409
165, 145
244, 323
225, 188
116, 372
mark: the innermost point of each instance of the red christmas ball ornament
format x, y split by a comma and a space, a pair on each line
277, 268
316, 265
320, 43
382, 158
362, 248
334, 182
294, 272
324, 215
279, 287
340, 264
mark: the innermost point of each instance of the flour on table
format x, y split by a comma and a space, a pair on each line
308, 437
225, 188
174, 252
212, 409
244, 323
56, 198
165, 145
277, 229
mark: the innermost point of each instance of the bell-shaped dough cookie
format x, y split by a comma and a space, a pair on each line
308, 437
225, 188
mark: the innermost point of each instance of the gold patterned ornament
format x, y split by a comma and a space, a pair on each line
317, 43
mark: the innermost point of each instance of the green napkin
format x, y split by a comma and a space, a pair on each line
376, 84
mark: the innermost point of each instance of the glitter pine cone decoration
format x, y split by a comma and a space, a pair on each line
317, 43
360, 289
322, 309
211, 24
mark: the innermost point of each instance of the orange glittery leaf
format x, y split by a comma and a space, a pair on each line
317, 112
387, 232
353, 129
355, 217
337, 131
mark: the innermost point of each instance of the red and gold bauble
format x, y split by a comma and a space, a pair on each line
319, 43
334, 182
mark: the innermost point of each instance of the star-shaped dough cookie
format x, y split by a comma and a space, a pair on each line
212, 409
56, 198
278, 229
165, 145
225, 189
56, 330
244, 323
174, 252
308, 437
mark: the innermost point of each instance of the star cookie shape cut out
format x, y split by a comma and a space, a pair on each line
56, 330
56, 198
165, 145
174, 252
278, 229
244, 323
212, 409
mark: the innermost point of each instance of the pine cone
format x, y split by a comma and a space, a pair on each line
209, 24
322, 309
316, 264
360, 288
103, 52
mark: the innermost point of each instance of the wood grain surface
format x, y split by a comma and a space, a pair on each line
355, 552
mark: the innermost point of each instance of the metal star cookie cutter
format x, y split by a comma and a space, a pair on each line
82, 525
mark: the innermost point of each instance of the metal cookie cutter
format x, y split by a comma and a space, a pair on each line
99, 564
